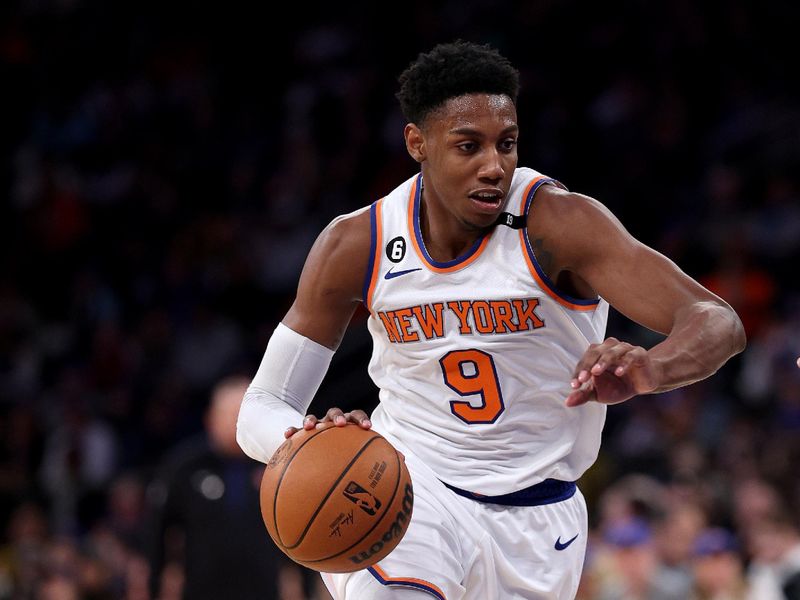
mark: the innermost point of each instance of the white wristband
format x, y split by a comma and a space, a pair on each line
290, 374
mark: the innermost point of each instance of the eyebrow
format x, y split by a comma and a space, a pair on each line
477, 133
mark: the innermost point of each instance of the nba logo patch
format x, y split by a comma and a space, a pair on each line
361, 498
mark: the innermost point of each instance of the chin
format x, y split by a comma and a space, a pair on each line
483, 223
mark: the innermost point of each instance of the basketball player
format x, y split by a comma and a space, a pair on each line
488, 288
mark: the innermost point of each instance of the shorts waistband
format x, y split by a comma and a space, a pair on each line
548, 491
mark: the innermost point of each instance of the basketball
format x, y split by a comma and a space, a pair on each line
336, 499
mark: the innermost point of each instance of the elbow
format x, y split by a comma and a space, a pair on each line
738, 334
241, 436
730, 327
241, 421
244, 433
724, 327
241, 433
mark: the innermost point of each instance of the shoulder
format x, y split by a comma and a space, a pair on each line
347, 232
557, 209
572, 224
336, 265
349, 236
344, 244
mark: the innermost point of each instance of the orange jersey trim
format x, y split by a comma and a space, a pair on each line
411, 582
377, 244
530, 259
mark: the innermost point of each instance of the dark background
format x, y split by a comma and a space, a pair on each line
165, 168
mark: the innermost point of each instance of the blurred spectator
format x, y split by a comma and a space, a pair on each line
624, 559
208, 536
675, 534
164, 173
754, 501
622, 569
774, 544
21, 555
718, 569
80, 457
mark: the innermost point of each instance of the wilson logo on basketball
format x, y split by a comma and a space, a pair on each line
361, 498
395, 530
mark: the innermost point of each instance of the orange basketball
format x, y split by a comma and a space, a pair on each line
336, 499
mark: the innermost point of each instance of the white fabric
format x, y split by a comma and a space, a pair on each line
535, 436
290, 373
459, 549
365, 587
766, 580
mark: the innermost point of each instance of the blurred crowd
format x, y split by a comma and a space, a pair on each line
166, 167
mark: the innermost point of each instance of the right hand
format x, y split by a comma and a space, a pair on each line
335, 416
613, 372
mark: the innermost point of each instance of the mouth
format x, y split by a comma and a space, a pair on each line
488, 200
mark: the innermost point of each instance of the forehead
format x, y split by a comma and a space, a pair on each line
475, 111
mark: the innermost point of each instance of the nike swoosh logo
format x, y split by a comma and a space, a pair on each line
390, 275
559, 546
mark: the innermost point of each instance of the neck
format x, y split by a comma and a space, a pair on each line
446, 237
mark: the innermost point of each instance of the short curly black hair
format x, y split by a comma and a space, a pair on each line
452, 70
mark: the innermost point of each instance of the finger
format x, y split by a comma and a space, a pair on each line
589, 357
582, 373
611, 357
582, 377
337, 416
585, 393
632, 359
290, 432
309, 422
360, 417
577, 398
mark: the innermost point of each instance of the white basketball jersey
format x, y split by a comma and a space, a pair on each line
474, 356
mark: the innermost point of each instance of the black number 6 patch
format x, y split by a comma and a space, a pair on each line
396, 249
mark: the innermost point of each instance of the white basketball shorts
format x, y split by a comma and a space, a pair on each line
457, 548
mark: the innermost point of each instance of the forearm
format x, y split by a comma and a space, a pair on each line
290, 374
704, 336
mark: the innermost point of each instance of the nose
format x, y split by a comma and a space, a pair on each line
491, 169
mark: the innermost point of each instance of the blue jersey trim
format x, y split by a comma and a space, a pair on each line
548, 491
373, 241
550, 284
418, 235
406, 583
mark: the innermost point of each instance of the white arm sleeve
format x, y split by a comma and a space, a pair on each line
278, 397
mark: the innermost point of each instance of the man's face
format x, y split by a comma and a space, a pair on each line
468, 155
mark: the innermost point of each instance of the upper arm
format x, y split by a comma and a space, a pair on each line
641, 283
332, 280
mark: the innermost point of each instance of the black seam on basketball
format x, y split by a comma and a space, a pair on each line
378, 522
313, 435
330, 491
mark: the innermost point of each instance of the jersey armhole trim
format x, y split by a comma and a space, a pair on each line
375, 234
411, 582
535, 269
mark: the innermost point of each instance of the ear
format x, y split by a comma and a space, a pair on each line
415, 142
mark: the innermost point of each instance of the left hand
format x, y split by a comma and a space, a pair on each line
612, 372
334, 415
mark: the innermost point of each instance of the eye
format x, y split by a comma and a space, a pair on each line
508, 145
467, 147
